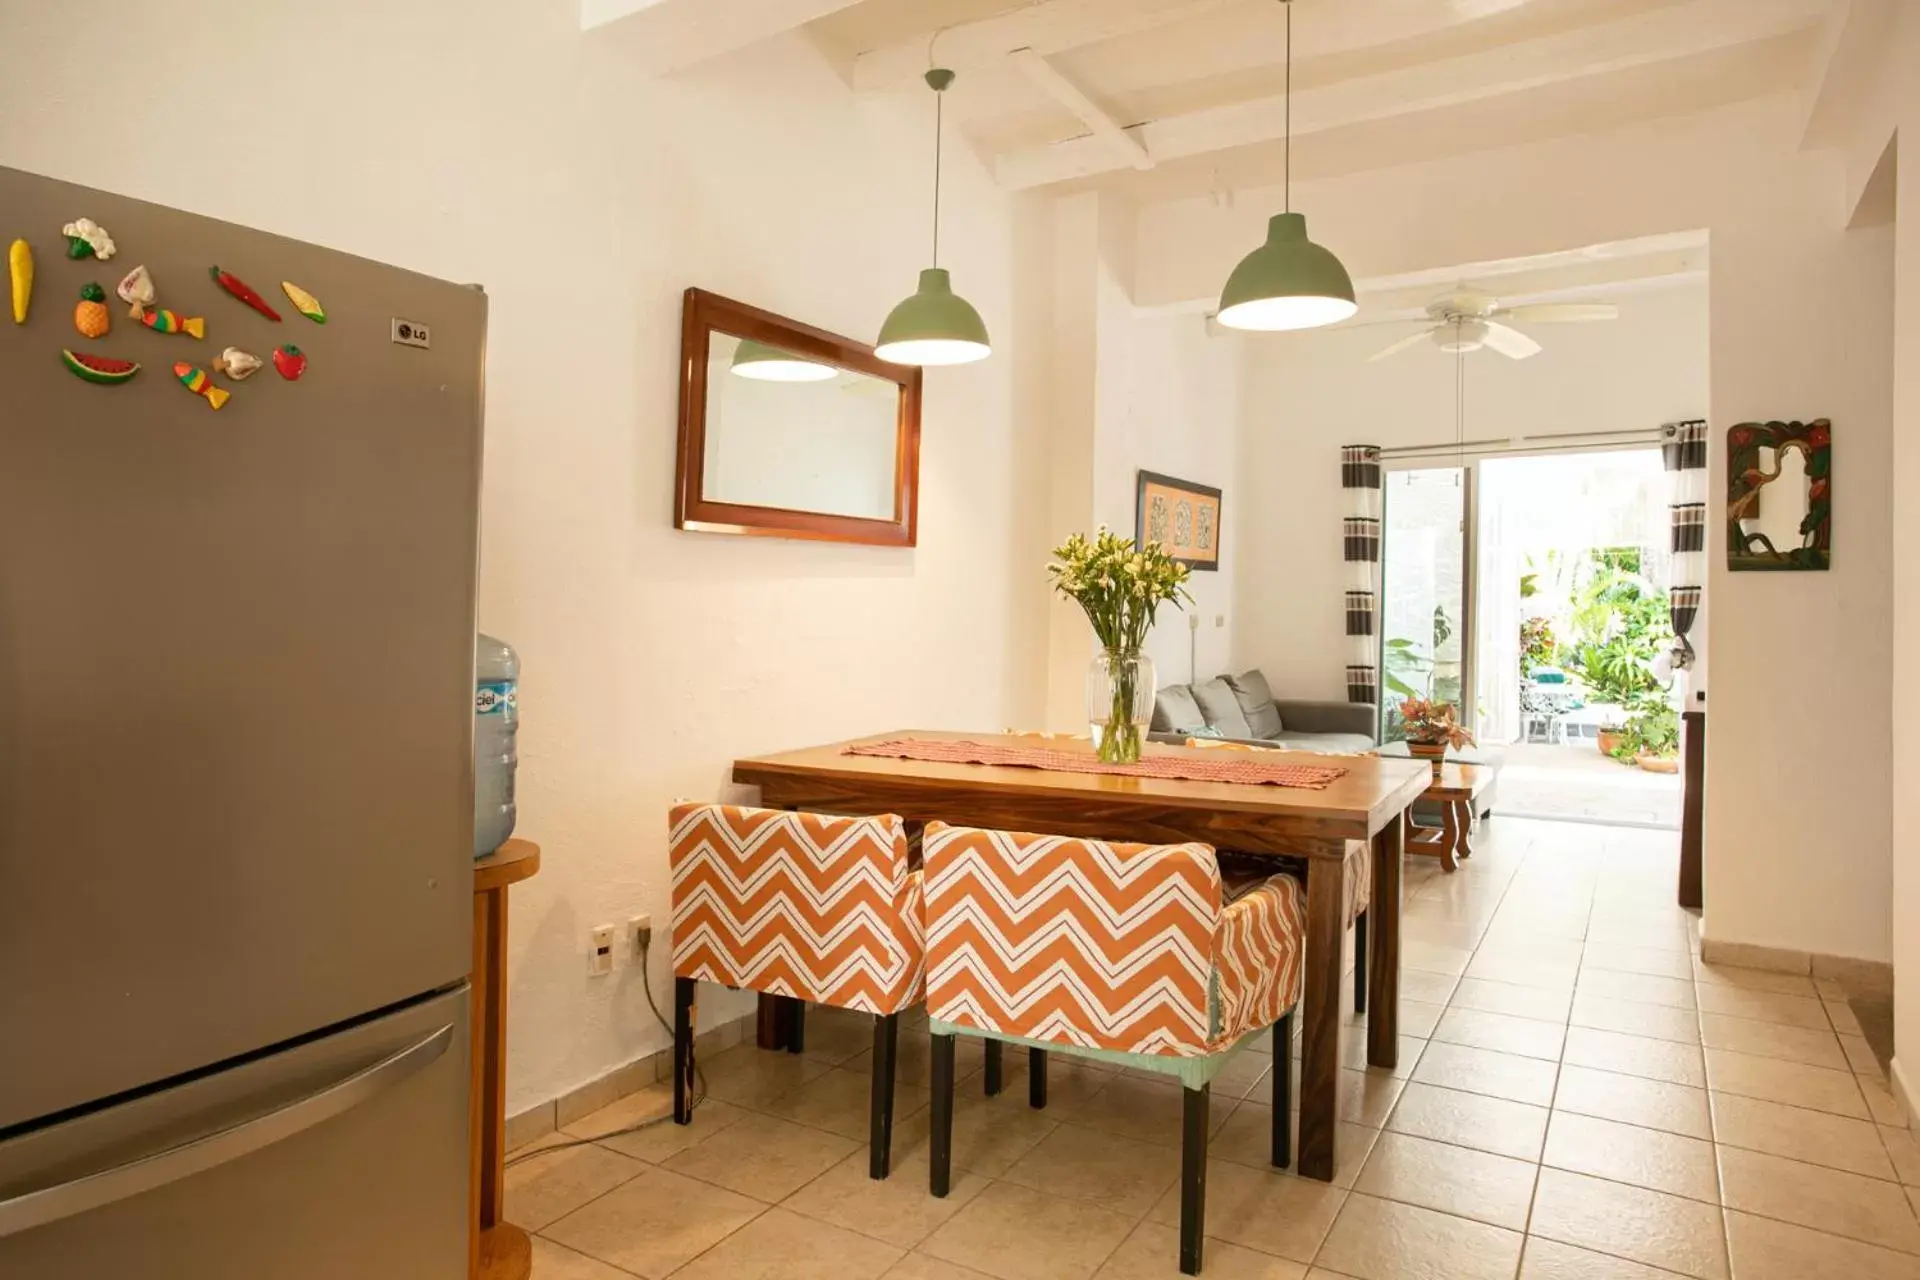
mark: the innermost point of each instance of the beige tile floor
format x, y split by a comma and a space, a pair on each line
1578, 1097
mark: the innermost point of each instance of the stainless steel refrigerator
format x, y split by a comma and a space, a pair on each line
236, 672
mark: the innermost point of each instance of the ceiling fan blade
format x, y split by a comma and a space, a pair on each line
1560, 312
1510, 343
1413, 340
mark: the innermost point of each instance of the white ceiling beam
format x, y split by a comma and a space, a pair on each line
1050, 80
1052, 26
672, 35
1662, 35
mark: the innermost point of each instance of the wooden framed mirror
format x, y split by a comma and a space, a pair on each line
788, 431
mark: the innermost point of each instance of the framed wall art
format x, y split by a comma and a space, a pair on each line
1181, 516
1780, 495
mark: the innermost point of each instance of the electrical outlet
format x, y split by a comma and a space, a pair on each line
640, 934
600, 951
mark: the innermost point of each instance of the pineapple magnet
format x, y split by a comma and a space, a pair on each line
87, 239
20, 268
90, 314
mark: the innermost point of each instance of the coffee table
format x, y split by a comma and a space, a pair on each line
1488, 759
1455, 789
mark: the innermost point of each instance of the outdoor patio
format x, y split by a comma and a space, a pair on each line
1576, 783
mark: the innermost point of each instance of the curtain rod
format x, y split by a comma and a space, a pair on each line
1586, 440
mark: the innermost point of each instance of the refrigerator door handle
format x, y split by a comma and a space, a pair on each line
90, 1191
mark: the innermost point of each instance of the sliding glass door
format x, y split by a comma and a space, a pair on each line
1424, 586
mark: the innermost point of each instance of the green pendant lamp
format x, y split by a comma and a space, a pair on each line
763, 363
936, 325
1289, 282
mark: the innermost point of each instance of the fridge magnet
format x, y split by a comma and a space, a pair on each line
87, 239
136, 290
105, 370
291, 361
195, 379
303, 302
245, 292
90, 315
20, 268
161, 320
238, 365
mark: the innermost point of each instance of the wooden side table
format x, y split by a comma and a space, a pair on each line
496, 1249
1453, 788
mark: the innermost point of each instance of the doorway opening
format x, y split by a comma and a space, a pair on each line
1532, 593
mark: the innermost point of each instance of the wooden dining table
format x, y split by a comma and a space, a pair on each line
1368, 802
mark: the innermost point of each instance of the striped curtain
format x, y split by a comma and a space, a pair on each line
1684, 449
1360, 477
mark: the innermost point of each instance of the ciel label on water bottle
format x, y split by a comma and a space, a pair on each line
495, 699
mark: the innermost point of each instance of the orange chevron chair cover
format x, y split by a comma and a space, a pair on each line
1357, 873
1124, 952
1123, 948
804, 907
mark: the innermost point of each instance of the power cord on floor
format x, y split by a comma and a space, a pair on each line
699, 1080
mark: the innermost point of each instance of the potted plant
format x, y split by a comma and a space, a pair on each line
1432, 729
1120, 587
1651, 739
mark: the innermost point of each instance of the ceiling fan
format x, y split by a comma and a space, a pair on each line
1464, 322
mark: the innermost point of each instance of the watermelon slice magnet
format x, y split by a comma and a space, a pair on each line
104, 370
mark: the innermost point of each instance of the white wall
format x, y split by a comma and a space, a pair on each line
1799, 781
1175, 410
1307, 394
490, 141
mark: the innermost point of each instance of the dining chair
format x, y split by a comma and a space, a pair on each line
1129, 954
810, 908
1357, 874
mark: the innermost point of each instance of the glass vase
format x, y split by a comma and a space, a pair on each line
1119, 703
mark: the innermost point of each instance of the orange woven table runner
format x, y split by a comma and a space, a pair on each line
1213, 767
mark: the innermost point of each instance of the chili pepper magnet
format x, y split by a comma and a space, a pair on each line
90, 313
20, 268
291, 361
195, 379
245, 292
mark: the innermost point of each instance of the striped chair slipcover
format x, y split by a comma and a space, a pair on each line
1120, 952
1358, 874
811, 908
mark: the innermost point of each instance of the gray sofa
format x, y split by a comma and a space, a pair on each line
1243, 709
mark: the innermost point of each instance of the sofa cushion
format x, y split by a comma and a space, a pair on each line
1175, 711
1256, 703
1222, 708
1338, 743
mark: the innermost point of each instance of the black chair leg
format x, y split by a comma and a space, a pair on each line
886, 1040
1360, 963
1193, 1177
940, 1140
683, 1050
796, 1026
1037, 1079
995, 1073
1283, 1091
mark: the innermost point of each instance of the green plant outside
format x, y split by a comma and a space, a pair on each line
1654, 730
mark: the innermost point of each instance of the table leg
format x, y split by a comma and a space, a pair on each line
1383, 940
1464, 818
770, 1026
1320, 1008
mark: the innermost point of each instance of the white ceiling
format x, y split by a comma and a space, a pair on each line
1164, 99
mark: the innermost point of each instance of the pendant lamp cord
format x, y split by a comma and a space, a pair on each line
939, 125
1287, 180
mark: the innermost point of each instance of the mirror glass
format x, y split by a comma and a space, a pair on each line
1780, 498
792, 432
